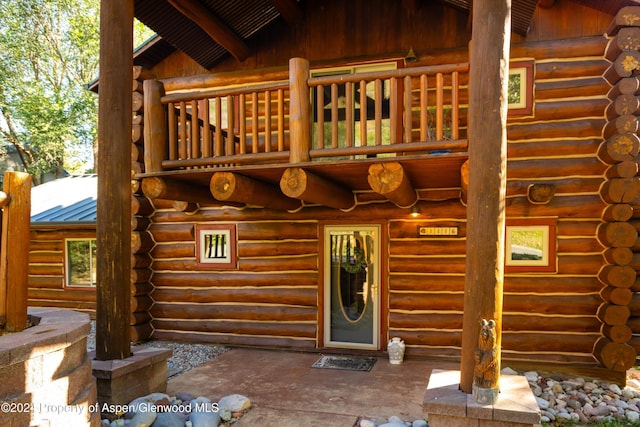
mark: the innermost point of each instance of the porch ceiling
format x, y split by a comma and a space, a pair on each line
210, 30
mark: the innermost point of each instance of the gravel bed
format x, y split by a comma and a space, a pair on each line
185, 356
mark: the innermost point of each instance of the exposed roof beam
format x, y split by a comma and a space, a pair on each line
213, 26
289, 10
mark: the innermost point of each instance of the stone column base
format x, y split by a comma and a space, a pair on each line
121, 381
447, 406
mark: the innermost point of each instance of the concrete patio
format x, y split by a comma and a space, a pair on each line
286, 391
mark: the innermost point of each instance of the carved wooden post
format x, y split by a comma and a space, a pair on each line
113, 334
155, 127
14, 257
484, 273
299, 108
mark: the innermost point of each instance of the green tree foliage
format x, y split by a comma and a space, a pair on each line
50, 51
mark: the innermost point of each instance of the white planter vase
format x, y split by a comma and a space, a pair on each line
395, 348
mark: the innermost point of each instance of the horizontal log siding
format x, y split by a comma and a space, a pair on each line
47, 280
548, 317
552, 317
271, 299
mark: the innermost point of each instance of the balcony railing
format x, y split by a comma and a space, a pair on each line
382, 113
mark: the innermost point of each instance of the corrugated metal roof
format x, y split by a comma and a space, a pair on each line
67, 200
245, 18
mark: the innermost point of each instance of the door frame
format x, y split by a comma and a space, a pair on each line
381, 328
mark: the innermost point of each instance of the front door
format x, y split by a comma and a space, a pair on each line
352, 278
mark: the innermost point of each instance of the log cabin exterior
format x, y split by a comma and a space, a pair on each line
249, 206
63, 217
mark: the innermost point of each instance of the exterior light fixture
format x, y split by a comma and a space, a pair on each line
415, 211
411, 56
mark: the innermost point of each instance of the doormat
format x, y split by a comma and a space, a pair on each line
346, 363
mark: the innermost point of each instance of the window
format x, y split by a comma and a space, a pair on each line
520, 88
216, 246
530, 245
384, 91
81, 262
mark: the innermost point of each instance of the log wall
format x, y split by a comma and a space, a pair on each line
564, 317
47, 279
273, 298
141, 208
619, 344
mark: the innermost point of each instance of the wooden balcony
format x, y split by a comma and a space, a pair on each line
277, 138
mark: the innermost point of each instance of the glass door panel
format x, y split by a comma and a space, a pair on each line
352, 276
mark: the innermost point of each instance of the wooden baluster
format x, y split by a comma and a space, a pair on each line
408, 125
183, 130
173, 133
455, 105
195, 130
242, 116
206, 129
424, 113
363, 113
393, 111
218, 141
280, 120
230, 143
349, 113
439, 106
378, 112
334, 115
267, 121
320, 114
255, 123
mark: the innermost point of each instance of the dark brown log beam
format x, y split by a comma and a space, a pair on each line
289, 10
300, 184
228, 186
484, 267
113, 226
391, 181
213, 26
161, 188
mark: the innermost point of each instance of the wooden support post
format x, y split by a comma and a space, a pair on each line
229, 186
14, 258
299, 110
156, 132
391, 181
162, 188
114, 181
484, 271
303, 185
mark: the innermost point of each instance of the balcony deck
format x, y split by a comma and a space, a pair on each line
334, 129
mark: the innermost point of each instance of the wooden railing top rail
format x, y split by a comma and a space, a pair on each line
199, 84
387, 74
224, 79
222, 92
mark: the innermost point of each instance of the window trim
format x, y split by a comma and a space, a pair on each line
67, 266
525, 69
548, 263
227, 262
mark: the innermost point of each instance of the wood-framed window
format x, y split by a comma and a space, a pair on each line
520, 88
80, 262
216, 246
530, 245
